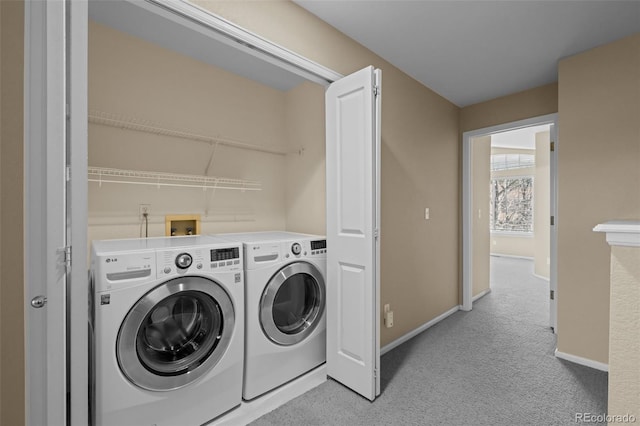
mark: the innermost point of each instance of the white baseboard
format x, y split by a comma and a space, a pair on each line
479, 295
582, 361
541, 277
418, 330
249, 411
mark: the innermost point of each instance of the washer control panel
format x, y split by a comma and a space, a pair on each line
183, 260
199, 259
123, 270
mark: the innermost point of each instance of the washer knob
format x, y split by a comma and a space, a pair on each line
184, 260
296, 249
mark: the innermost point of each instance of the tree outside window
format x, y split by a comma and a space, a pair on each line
511, 207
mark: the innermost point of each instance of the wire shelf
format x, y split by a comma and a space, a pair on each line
114, 120
159, 179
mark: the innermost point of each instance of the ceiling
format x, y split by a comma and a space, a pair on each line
473, 51
174, 32
524, 138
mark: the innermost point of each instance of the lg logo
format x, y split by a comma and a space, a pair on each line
109, 260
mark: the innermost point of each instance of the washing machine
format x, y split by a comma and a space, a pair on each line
167, 330
285, 322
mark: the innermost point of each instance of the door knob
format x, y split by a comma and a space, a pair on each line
38, 301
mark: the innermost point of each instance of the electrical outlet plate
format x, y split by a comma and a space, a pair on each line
388, 319
144, 208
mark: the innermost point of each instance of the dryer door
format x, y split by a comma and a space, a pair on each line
292, 304
175, 333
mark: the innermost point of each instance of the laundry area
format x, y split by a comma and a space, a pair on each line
271, 197
184, 137
206, 225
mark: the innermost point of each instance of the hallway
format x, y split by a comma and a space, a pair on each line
491, 366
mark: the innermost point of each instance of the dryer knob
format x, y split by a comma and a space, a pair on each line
184, 260
296, 249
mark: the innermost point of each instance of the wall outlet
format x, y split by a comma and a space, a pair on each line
144, 209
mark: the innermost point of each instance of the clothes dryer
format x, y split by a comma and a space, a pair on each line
285, 332
167, 326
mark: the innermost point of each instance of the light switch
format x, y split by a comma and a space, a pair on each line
426, 213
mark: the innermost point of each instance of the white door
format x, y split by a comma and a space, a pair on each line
553, 208
45, 239
56, 148
353, 284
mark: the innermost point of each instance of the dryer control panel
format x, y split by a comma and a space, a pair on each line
258, 255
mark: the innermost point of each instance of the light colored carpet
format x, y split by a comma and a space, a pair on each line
491, 366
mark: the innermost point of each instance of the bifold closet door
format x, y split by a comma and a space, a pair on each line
353, 284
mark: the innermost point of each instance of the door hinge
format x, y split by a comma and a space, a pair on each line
553, 220
65, 257
67, 173
552, 146
376, 233
376, 90
67, 111
552, 294
375, 373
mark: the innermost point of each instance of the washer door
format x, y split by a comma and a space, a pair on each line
175, 333
292, 303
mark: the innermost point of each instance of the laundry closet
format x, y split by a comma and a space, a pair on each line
174, 136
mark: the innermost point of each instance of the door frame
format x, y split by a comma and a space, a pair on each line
50, 34
45, 212
467, 205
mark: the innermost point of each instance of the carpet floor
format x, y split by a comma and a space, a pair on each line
492, 366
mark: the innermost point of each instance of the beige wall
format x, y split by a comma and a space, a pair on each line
480, 154
305, 177
133, 78
512, 245
12, 370
534, 102
598, 177
541, 206
624, 340
420, 158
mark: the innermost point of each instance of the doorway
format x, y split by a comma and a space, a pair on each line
509, 208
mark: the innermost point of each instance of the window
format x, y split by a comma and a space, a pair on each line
511, 207
512, 161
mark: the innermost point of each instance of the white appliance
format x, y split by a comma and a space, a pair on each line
285, 324
167, 330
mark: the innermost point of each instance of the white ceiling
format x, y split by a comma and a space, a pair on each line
472, 51
171, 31
524, 138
